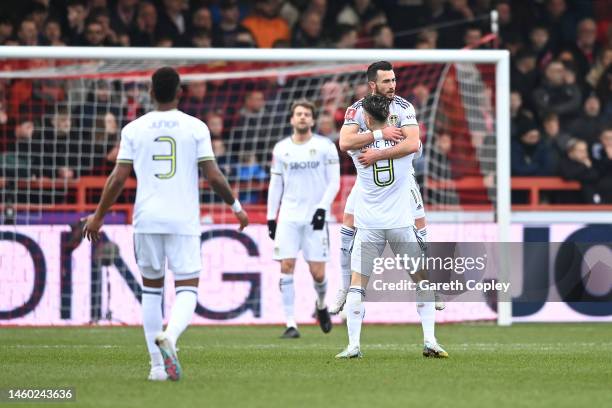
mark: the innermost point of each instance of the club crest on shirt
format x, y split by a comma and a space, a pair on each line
350, 114
313, 152
393, 120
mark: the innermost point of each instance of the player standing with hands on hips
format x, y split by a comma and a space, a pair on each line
305, 178
165, 147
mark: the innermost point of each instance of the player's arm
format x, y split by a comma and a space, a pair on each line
275, 192
221, 187
332, 170
112, 188
410, 144
352, 139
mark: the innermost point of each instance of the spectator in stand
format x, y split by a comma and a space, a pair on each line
98, 102
440, 168
124, 15
382, 36
200, 39
28, 33
45, 95
356, 12
586, 48
77, 14
589, 124
602, 160
333, 100
524, 76
201, 20
103, 17
26, 151
577, 166
105, 144
38, 13
215, 125
561, 22
195, 102
222, 158
428, 39
555, 95
518, 113
539, 43
308, 32
530, 155
472, 37
143, 35
326, 126
345, 36
250, 125
600, 66
555, 137
6, 29
64, 155
53, 32
225, 32
250, 171
508, 27
604, 92
94, 35
266, 25
172, 22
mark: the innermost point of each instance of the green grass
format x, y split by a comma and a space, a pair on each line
552, 365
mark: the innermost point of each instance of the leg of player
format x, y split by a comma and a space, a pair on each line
287, 289
152, 322
421, 232
355, 311
180, 317
347, 235
317, 270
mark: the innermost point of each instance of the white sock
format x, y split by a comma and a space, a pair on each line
152, 321
288, 294
347, 235
321, 289
426, 307
354, 314
182, 311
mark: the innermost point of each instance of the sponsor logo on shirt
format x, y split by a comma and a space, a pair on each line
304, 165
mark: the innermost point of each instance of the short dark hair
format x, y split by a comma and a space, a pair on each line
377, 106
375, 67
304, 103
165, 83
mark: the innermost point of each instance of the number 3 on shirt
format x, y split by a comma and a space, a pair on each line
170, 157
379, 174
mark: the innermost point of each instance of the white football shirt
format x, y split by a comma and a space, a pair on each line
165, 148
383, 199
303, 168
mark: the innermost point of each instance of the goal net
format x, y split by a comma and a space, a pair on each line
62, 129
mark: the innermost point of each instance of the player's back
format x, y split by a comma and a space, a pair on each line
165, 147
383, 199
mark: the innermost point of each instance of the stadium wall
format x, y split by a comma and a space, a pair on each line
50, 277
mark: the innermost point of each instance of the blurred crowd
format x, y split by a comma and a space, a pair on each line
561, 75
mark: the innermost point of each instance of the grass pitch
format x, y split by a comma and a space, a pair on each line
548, 365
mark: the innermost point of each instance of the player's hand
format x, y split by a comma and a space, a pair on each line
368, 157
91, 230
272, 229
392, 133
318, 219
243, 219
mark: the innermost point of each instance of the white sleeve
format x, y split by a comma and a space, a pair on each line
354, 116
275, 190
408, 116
332, 170
203, 143
126, 148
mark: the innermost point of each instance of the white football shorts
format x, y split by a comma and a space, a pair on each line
181, 251
292, 236
370, 244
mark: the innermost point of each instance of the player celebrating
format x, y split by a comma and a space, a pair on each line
380, 84
306, 174
165, 147
378, 220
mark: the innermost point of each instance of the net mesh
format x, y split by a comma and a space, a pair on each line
60, 123
63, 120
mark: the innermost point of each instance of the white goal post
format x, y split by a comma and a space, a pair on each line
499, 58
